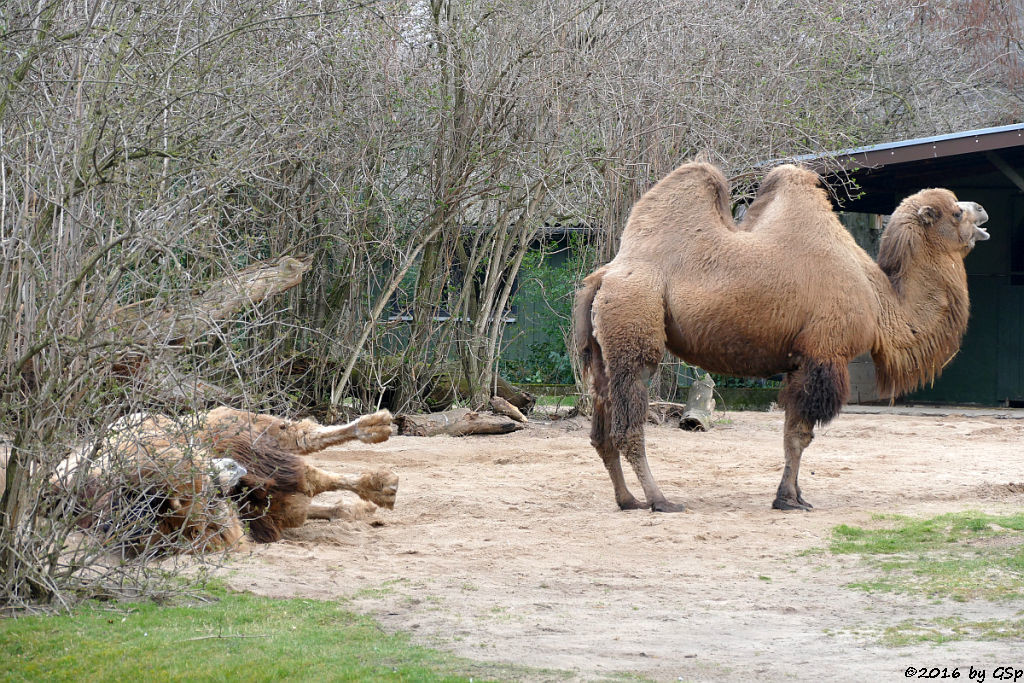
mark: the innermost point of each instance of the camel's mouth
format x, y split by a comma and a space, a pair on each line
976, 214
979, 234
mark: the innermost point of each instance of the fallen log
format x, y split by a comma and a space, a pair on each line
659, 412
521, 399
455, 422
155, 334
500, 406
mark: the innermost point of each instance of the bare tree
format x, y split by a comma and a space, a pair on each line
412, 150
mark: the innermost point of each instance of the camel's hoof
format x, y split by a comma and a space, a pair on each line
799, 504
665, 506
632, 504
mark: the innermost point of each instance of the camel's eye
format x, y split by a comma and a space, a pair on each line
958, 215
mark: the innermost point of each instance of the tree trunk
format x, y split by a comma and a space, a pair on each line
700, 405
455, 422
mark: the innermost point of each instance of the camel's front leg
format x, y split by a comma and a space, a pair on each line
797, 436
379, 487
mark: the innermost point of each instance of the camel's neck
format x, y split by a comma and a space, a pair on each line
924, 313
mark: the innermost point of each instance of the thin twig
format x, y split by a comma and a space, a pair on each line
189, 640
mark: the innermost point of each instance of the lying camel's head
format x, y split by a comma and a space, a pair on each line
269, 429
227, 472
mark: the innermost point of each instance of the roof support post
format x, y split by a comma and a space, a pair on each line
1007, 170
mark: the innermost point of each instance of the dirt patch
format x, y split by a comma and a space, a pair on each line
510, 548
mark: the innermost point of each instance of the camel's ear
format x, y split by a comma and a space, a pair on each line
928, 214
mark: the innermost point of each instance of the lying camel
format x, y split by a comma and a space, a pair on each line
786, 291
197, 483
277, 491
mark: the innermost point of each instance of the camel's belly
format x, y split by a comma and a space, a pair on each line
733, 352
744, 362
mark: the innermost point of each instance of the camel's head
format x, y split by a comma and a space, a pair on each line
975, 213
277, 430
950, 224
227, 472
932, 222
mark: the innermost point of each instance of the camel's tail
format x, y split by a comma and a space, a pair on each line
583, 328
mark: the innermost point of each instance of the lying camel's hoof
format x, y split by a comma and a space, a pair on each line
665, 506
380, 488
798, 504
375, 427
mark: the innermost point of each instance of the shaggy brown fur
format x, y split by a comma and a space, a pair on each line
148, 494
787, 291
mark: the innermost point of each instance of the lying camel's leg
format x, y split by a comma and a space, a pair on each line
312, 437
360, 510
379, 487
299, 438
600, 438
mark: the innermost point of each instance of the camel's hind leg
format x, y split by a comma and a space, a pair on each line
600, 438
629, 412
379, 487
629, 324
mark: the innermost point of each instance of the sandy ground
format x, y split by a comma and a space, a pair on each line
511, 549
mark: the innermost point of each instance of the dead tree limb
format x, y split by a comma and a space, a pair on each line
185, 320
700, 405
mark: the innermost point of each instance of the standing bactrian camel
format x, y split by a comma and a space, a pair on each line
786, 291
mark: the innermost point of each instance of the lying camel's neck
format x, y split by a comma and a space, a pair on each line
924, 310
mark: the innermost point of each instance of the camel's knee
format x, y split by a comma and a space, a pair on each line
631, 446
800, 439
817, 391
318, 481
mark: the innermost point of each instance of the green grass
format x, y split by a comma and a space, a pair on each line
237, 637
564, 401
951, 629
960, 556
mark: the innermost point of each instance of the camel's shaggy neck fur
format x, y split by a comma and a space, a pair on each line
923, 314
